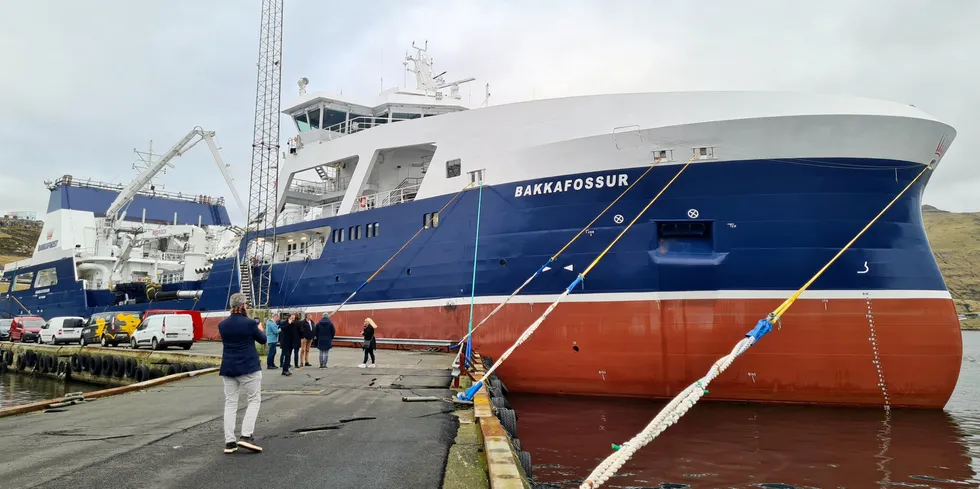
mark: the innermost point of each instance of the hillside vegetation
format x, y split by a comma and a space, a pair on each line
955, 240
954, 237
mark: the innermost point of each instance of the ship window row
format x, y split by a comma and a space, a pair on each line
700, 153
354, 232
47, 277
430, 220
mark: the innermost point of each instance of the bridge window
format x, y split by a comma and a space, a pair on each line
302, 123
23, 281
314, 118
47, 277
454, 168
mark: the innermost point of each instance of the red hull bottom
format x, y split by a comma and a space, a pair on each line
903, 353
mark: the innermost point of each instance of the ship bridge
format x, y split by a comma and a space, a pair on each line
394, 175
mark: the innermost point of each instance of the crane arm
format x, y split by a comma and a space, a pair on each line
209, 138
127, 194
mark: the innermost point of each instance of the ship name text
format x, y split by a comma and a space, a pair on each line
588, 183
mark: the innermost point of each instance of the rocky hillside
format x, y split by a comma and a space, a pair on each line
17, 239
955, 240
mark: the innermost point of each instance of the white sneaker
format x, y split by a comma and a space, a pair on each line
371, 366
361, 366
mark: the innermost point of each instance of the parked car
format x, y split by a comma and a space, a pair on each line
110, 328
5, 329
162, 330
195, 316
62, 329
26, 328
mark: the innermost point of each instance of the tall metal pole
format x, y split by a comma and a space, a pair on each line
263, 196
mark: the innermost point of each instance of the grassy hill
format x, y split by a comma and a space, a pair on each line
17, 241
954, 237
955, 240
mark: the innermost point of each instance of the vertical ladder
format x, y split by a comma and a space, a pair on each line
245, 281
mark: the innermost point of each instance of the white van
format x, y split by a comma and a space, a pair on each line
162, 330
62, 329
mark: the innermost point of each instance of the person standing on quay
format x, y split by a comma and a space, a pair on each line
241, 368
286, 340
325, 331
272, 337
307, 333
370, 343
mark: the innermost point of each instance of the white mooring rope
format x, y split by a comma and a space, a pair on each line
669, 415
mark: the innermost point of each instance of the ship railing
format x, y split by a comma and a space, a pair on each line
69, 181
318, 188
171, 256
398, 341
172, 278
386, 198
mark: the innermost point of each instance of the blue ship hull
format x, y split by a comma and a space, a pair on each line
749, 225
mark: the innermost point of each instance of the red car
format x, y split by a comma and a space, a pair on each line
26, 328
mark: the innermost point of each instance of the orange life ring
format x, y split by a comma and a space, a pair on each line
363, 201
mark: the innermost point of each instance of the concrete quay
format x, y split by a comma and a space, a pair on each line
337, 427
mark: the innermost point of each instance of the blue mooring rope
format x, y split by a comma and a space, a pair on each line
476, 247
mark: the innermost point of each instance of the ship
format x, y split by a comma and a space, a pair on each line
424, 204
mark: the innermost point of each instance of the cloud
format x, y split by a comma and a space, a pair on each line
92, 81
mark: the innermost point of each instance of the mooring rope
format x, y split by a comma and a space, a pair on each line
476, 247
684, 401
468, 395
376, 272
556, 255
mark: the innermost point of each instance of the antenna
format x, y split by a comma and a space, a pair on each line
486, 101
145, 161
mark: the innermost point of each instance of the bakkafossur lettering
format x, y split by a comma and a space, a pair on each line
576, 184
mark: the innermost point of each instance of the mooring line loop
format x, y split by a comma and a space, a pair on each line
556, 255
684, 401
468, 395
376, 272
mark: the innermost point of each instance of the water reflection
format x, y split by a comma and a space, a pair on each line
21, 388
732, 445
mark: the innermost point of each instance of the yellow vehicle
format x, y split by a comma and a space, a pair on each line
111, 328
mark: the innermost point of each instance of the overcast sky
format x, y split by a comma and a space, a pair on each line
84, 83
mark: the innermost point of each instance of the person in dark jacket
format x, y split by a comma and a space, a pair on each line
307, 340
369, 342
286, 339
325, 331
296, 330
241, 368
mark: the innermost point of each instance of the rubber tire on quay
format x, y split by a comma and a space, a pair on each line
155, 373
94, 365
525, 459
8, 357
52, 363
118, 367
31, 358
21, 362
172, 369
499, 402
106, 365
183, 367
76, 363
42, 364
141, 373
131, 367
508, 419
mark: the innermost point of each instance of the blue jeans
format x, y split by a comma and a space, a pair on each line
323, 357
271, 358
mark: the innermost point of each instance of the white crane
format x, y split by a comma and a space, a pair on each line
117, 212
